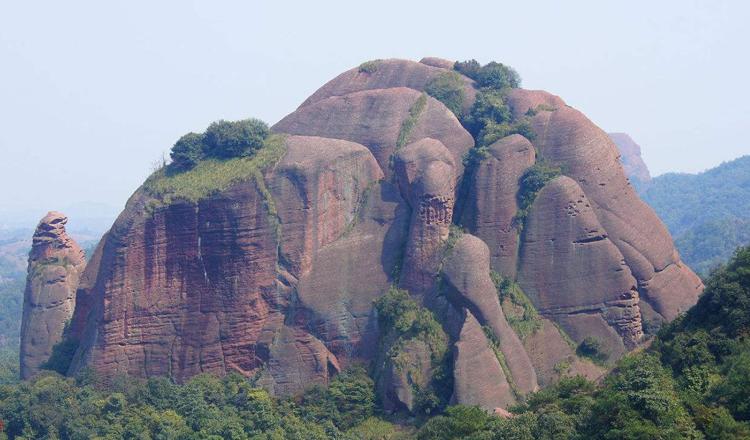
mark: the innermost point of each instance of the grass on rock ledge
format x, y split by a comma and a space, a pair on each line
212, 175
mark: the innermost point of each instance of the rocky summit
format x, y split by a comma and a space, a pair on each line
463, 238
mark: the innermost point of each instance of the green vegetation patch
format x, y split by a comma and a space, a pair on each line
62, 355
539, 108
495, 346
411, 121
369, 66
402, 321
531, 182
591, 348
211, 176
448, 88
492, 75
520, 312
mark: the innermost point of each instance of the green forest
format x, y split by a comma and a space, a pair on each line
692, 382
708, 214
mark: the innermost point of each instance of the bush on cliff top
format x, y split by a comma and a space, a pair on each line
492, 75
212, 175
222, 140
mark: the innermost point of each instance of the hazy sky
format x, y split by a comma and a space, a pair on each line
93, 92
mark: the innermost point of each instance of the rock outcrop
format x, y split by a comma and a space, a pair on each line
632, 162
55, 266
274, 274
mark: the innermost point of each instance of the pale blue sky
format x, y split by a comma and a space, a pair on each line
93, 92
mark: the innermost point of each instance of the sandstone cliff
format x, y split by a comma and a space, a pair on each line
273, 272
55, 266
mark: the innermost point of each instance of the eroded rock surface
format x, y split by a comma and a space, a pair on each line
426, 174
55, 266
567, 138
573, 273
467, 274
275, 275
477, 374
490, 204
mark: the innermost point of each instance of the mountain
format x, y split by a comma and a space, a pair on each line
707, 213
466, 240
632, 162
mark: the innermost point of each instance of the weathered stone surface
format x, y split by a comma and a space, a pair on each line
426, 174
554, 358
569, 269
467, 275
630, 156
374, 118
278, 273
399, 381
207, 287
55, 266
490, 201
478, 378
567, 137
387, 74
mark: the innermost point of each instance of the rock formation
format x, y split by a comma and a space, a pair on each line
274, 274
55, 266
632, 162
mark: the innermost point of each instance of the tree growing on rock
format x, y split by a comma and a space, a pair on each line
228, 139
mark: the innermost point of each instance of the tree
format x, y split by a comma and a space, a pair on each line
228, 139
498, 76
448, 88
187, 151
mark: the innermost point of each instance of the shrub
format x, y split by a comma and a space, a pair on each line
492, 75
489, 107
187, 151
498, 76
591, 348
369, 66
468, 68
531, 182
227, 139
62, 356
448, 88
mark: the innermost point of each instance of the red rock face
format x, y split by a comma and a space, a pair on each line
573, 273
479, 378
374, 118
207, 287
276, 276
427, 176
490, 202
590, 158
55, 265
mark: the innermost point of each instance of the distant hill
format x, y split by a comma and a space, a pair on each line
708, 213
632, 162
